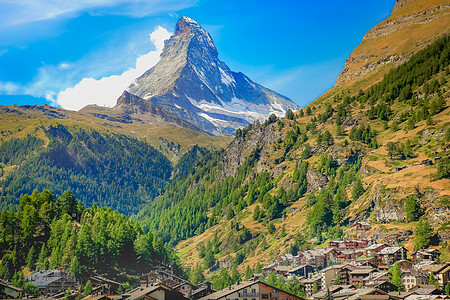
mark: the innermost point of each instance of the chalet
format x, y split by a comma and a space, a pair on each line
331, 289
358, 275
374, 249
350, 244
373, 294
427, 254
411, 278
440, 271
104, 286
251, 290
309, 284
153, 292
367, 261
282, 270
349, 255
167, 278
329, 274
361, 226
425, 289
390, 255
386, 286
315, 258
52, 281
336, 244
331, 255
377, 278
203, 289
405, 264
8, 291
301, 271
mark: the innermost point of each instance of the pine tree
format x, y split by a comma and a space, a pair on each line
54, 258
432, 280
358, 189
87, 288
30, 259
248, 273
271, 280
396, 273
75, 267
423, 235
413, 209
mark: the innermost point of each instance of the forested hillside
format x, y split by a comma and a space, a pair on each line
109, 169
46, 233
295, 182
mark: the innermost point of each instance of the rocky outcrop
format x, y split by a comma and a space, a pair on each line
393, 24
316, 181
386, 206
351, 74
242, 147
191, 82
392, 237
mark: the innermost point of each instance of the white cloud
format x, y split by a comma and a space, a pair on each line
9, 88
26, 11
106, 90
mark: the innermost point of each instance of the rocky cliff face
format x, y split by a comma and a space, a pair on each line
131, 108
191, 81
413, 24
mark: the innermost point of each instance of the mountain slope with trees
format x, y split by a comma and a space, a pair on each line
379, 154
47, 232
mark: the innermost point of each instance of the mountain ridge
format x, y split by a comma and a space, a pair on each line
193, 83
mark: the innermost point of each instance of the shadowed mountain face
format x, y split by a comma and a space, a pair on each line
191, 81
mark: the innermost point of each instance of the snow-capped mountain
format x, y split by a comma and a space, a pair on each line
193, 83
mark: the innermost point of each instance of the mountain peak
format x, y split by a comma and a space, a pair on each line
188, 25
191, 81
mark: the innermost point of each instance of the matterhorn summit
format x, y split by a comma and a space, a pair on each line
191, 81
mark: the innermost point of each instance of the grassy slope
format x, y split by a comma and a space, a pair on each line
24, 122
404, 41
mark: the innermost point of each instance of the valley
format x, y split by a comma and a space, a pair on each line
211, 184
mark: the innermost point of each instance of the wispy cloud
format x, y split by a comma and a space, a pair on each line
106, 90
27, 11
52, 81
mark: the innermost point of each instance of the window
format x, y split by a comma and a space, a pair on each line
265, 296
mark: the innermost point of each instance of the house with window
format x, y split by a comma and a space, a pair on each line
358, 226
374, 249
309, 284
411, 278
53, 281
427, 254
358, 275
301, 271
251, 290
390, 255
440, 271
103, 286
166, 277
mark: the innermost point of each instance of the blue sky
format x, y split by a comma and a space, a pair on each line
71, 53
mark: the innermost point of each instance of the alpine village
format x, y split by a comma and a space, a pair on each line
203, 184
